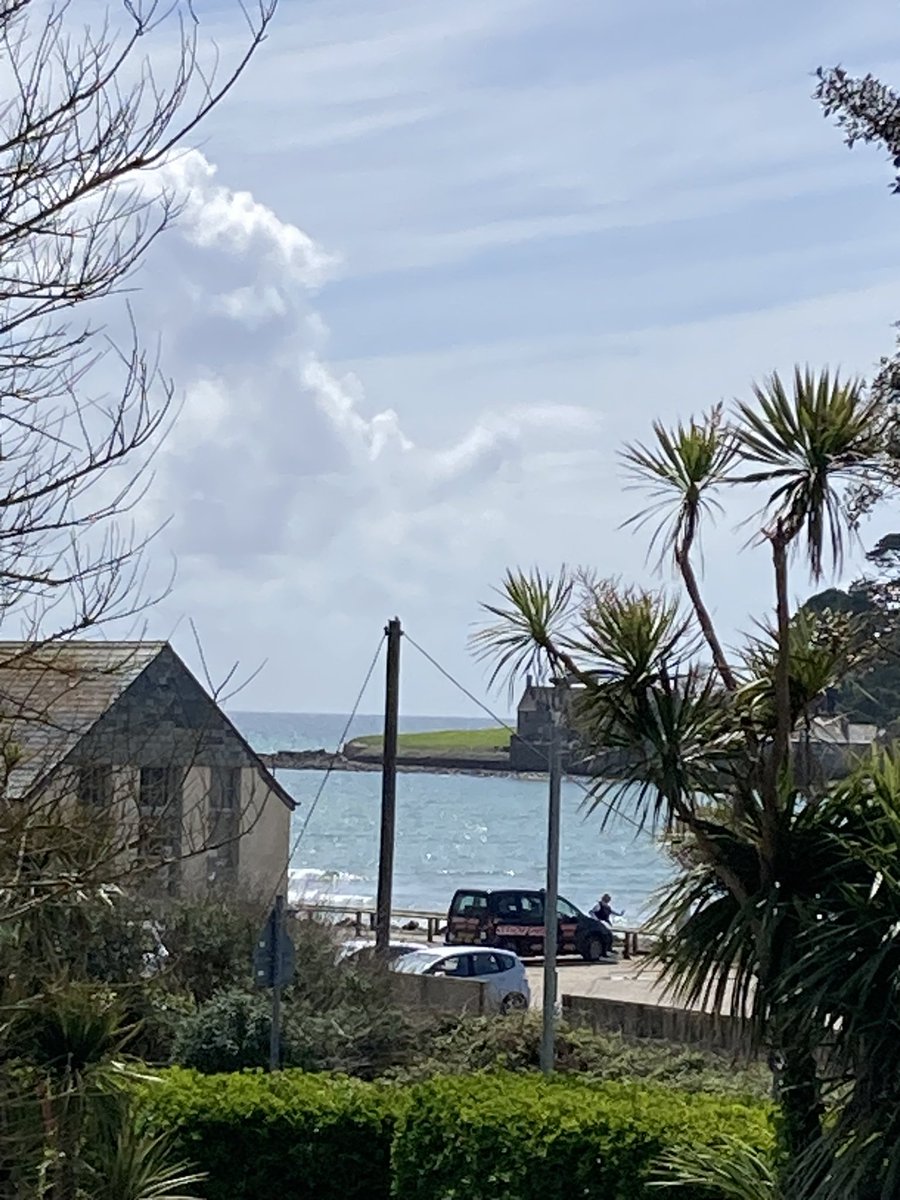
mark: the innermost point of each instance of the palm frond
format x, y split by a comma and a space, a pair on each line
729, 1170
680, 470
630, 635
530, 624
809, 440
821, 649
673, 742
136, 1165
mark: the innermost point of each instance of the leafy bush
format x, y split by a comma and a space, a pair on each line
461, 1045
475, 1138
228, 1033
231, 1033
307, 1137
210, 941
524, 1138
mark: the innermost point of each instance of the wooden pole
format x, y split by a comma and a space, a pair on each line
388, 788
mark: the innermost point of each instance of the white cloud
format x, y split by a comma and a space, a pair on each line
286, 489
452, 256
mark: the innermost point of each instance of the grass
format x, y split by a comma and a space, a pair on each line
443, 741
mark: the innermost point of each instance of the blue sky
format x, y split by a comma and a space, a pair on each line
441, 260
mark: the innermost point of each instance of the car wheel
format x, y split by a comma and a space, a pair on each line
593, 950
513, 1002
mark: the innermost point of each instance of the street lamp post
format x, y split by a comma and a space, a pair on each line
551, 892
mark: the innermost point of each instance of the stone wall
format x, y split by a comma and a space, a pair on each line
439, 993
658, 1022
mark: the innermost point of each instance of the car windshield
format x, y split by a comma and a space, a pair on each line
417, 962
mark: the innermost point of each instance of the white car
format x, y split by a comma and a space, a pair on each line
501, 971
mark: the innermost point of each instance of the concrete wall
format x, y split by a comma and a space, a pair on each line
265, 835
438, 993
658, 1022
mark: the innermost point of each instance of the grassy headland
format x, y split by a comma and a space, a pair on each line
456, 742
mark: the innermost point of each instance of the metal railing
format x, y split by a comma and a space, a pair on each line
364, 917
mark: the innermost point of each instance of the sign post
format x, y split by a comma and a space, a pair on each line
273, 967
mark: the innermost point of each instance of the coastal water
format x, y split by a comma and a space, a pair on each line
452, 830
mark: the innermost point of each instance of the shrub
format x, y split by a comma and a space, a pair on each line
524, 1138
475, 1138
228, 1033
461, 1045
231, 1033
210, 941
307, 1137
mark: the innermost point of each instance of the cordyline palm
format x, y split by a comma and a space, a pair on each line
811, 442
857, 919
686, 734
67, 1094
681, 470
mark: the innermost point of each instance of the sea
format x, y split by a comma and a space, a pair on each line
452, 830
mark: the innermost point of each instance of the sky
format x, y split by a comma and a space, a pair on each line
438, 262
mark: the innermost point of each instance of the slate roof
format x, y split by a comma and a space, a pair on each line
52, 694
838, 731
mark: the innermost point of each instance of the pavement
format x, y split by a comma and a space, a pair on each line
633, 979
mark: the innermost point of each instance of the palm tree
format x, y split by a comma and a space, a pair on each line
690, 734
857, 918
682, 471
810, 443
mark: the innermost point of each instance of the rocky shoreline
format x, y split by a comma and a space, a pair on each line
487, 764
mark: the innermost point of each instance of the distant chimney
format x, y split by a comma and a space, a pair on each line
527, 683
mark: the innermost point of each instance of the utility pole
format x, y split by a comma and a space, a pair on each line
277, 976
551, 892
388, 787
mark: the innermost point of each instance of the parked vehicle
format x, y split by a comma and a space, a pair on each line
501, 972
362, 948
513, 919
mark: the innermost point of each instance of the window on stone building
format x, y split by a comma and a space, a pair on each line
224, 823
160, 805
95, 785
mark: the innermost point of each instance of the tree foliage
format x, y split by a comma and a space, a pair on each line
870, 689
711, 749
88, 116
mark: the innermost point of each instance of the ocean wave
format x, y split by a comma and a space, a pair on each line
320, 875
310, 885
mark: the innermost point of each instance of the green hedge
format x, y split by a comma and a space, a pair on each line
489, 1137
291, 1135
523, 1138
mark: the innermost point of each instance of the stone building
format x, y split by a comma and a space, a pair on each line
126, 728
529, 746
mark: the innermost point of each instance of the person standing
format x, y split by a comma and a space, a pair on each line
604, 911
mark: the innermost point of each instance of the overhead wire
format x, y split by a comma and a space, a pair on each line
336, 753
540, 751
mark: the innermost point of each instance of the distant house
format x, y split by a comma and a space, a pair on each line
529, 746
835, 744
125, 727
